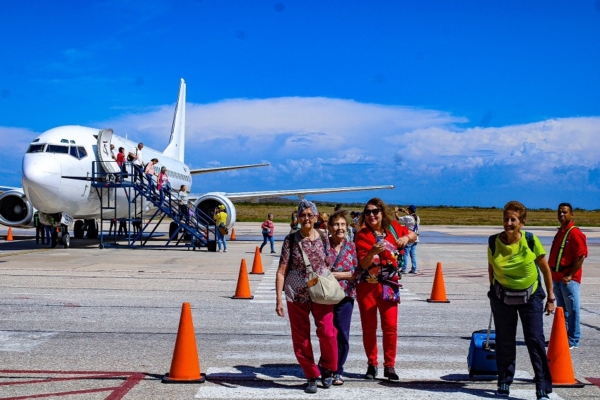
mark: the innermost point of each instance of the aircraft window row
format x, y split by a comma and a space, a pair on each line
177, 175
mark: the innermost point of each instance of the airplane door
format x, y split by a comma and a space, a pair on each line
104, 139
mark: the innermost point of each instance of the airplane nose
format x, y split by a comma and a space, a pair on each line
41, 178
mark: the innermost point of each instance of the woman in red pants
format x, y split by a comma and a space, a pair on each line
292, 278
380, 244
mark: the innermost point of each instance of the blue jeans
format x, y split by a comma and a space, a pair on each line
411, 249
505, 321
150, 184
342, 316
266, 238
221, 239
567, 297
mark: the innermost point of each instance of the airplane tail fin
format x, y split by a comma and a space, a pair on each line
176, 147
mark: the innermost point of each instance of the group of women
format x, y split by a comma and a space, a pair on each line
368, 271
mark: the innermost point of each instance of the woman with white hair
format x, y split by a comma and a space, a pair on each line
292, 278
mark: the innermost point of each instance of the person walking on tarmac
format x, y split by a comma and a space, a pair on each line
379, 245
220, 217
568, 251
40, 230
268, 229
307, 244
516, 266
412, 221
343, 263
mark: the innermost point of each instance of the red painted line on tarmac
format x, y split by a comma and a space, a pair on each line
44, 380
39, 396
122, 390
37, 371
117, 392
595, 381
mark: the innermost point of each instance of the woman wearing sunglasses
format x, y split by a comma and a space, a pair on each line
380, 244
292, 278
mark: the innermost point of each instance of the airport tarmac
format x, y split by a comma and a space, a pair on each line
85, 323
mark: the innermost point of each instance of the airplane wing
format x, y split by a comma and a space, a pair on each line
296, 192
219, 169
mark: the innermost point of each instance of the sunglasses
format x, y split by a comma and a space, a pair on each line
374, 211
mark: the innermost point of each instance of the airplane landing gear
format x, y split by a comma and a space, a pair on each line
78, 229
92, 228
66, 240
61, 235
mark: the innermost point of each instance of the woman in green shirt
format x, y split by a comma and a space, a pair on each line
516, 262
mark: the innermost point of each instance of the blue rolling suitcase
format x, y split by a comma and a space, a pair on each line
482, 352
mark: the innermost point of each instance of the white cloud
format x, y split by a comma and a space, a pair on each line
312, 142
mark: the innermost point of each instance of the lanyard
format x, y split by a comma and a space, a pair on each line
562, 247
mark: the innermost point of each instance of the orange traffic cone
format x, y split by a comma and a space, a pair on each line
559, 356
438, 292
9, 237
232, 237
257, 264
185, 366
243, 286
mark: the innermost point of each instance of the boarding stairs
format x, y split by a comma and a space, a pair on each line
197, 226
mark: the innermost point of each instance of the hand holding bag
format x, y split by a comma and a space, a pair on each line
322, 289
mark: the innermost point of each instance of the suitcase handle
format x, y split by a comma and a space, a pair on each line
489, 332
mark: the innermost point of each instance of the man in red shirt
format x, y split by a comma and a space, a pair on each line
569, 249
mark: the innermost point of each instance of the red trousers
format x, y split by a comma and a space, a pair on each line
369, 299
299, 314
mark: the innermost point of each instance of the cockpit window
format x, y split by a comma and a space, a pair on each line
53, 148
73, 151
36, 148
36, 140
82, 152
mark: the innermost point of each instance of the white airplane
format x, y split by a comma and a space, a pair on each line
59, 164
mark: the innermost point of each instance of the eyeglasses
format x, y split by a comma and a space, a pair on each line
374, 211
306, 216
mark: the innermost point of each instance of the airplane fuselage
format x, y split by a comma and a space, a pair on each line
57, 171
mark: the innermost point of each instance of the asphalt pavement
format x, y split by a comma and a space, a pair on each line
89, 323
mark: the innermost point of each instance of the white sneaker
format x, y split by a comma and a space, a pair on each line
573, 347
220, 251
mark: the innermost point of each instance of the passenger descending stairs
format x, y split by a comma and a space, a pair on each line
198, 226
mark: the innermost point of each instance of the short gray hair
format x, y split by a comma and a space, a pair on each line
304, 204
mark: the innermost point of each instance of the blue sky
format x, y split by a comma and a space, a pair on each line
454, 102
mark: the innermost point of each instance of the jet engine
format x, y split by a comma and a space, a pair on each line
16, 210
208, 202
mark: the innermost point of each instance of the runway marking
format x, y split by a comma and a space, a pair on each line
116, 392
595, 381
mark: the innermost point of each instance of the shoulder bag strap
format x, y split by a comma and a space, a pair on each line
304, 256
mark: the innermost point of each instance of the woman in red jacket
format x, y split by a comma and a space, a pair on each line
380, 244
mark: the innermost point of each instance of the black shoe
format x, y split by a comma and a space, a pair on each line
390, 373
371, 372
503, 390
412, 272
326, 378
311, 386
273, 252
541, 395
